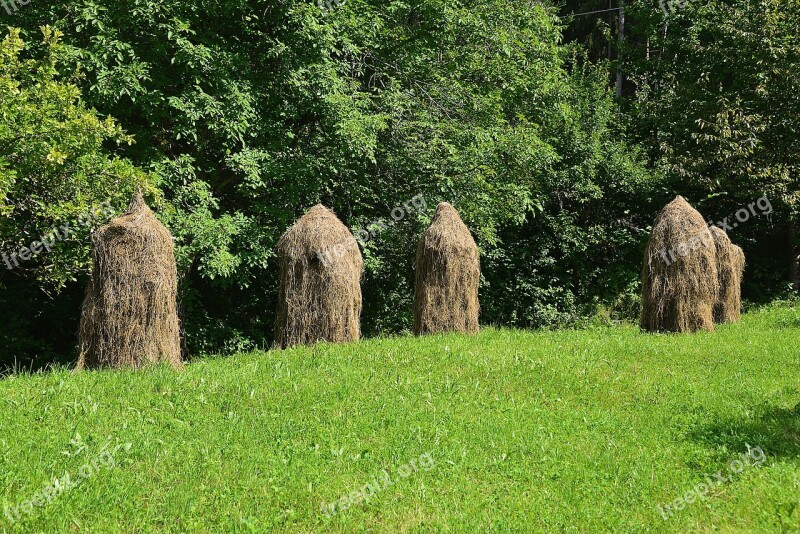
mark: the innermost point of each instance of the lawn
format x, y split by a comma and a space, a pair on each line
575, 430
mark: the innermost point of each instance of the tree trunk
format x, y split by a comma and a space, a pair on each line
794, 266
620, 42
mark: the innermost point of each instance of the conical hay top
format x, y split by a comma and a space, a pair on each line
137, 203
680, 210
678, 223
138, 220
448, 230
315, 232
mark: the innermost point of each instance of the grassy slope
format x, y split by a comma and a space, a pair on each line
572, 430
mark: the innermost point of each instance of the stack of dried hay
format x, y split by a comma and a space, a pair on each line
730, 267
129, 316
320, 282
447, 277
680, 284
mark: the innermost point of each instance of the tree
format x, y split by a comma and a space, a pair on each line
58, 178
54, 167
364, 107
717, 101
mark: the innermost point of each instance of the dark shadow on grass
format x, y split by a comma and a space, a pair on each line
775, 430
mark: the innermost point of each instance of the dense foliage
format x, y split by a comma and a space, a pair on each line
57, 183
717, 97
712, 93
244, 114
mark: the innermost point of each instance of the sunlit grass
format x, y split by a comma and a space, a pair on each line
579, 430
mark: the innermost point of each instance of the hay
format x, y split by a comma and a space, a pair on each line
679, 277
129, 316
447, 277
730, 266
320, 282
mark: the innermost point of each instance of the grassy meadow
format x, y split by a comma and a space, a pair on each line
586, 430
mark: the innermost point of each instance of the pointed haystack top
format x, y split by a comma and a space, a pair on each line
447, 230
445, 210
680, 204
679, 220
442, 206
137, 203
316, 231
138, 211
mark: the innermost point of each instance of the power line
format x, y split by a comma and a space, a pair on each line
590, 12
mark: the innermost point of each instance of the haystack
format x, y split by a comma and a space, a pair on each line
679, 277
448, 273
730, 267
320, 282
129, 316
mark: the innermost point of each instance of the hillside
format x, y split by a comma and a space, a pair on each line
578, 430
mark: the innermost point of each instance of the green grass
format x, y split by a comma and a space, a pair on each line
577, 430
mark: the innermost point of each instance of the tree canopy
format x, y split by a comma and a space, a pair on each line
237, 116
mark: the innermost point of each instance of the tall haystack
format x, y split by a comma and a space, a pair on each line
320, 282
130, 316
730, 267
679, 277
447, 278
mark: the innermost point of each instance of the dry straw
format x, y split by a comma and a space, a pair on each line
129, 316
679, 277
447, 277
320, 294
730, 267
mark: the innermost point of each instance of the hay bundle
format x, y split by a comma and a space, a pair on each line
129, 316
730, 266
447, 277
679, 277
320, 282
